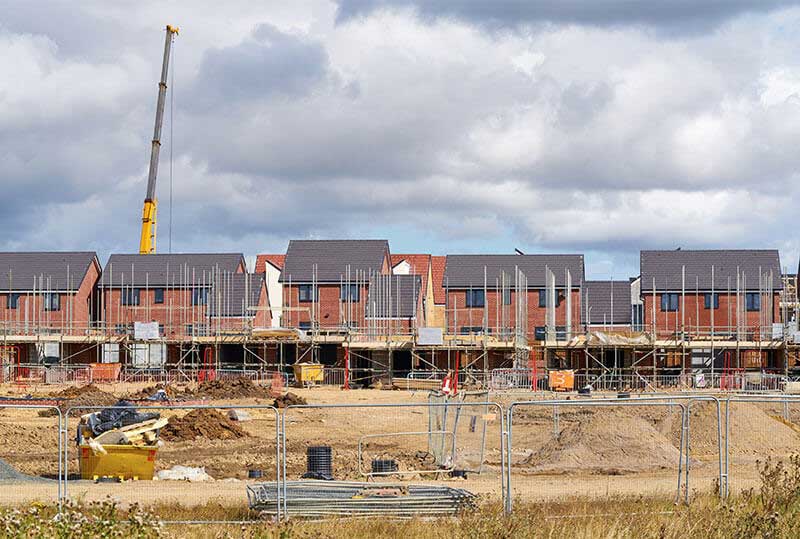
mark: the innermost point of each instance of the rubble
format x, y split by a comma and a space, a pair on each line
201, 423
289, 399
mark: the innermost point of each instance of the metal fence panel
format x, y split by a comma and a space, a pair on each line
758, 428
231, 454
431, 457
31, 465
596, 447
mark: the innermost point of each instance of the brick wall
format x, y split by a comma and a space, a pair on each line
330, 311
463, 316
174, 314
695, 314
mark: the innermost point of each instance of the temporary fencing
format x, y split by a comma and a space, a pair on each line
31, 456
417, 449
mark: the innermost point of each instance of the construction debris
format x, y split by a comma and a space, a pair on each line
239, 415
317, 499
184, 473
289, 399
119, 425
202, 423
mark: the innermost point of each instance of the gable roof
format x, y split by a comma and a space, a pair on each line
437, 275
393, 296
263, 260
666, 267
332, 259
607, 302
233, 294
54, 271
174, 270
466, 271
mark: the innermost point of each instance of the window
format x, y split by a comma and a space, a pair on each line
539, 333
506, 296
158, 295
122, 329
52, 302
199, 296
708, 301
306, 293
466, 330
304, 325
349, 292
637, 319
12, 301
752, 301
161, 330
669, 302
475, 298
189, 329
542, 298
130, 296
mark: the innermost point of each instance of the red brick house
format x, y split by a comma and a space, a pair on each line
47, 292
482, 294
703, 292
173, 290
326, 282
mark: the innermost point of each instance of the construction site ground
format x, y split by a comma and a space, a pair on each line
597, 451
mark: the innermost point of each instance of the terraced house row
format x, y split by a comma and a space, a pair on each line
355, 303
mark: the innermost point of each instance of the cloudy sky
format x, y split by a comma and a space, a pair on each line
591, 126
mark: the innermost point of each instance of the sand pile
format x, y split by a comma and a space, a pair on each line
606, 441
201, 423
73, 397
229, 388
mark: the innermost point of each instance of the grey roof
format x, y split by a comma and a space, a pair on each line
173, 270
233, 294
393, 296
666, 268
465, 271
601, 296
55, 271
332, 258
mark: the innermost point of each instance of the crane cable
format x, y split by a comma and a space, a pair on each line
171, 138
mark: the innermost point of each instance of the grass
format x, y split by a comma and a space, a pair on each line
771, 511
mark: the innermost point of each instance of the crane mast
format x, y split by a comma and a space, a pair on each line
147, 242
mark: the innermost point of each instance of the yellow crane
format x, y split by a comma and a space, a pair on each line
147, 242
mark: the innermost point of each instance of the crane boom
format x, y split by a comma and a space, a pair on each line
147, 242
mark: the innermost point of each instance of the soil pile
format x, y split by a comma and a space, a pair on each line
201, 423
75, 397
289, 399
148, 392
229, 388
606, 441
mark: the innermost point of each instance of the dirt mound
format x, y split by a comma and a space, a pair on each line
148, 392
289, 399
74, 397
229, 388
606, 441
201, 423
